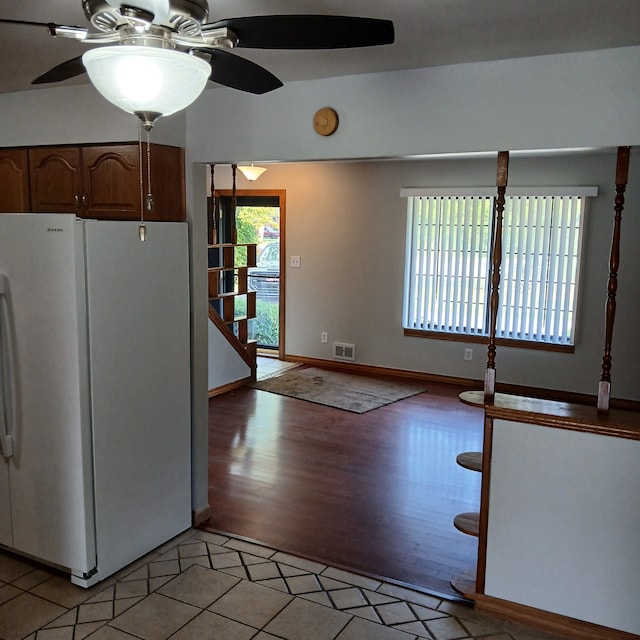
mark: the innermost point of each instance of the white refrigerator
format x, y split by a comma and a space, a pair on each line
95, 464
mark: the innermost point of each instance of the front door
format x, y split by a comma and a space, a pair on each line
259, 219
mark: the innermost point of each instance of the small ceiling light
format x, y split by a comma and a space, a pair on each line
148, 82
252, 173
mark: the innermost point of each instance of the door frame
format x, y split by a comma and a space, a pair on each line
282, 199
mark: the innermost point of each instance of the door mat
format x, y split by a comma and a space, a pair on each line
346, 391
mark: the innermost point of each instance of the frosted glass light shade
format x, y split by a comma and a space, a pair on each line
252, 173
141, 79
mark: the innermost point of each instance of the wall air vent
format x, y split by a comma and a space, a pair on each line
343, 351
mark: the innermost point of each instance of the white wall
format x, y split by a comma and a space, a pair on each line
75, 115
197, 218
347, 222
547, 102
225, 365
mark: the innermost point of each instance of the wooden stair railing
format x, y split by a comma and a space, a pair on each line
228, 283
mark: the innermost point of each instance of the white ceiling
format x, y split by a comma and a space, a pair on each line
428, 33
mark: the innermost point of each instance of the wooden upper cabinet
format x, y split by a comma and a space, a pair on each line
103, 181
167, 183
14, 181
111, 179
56, 179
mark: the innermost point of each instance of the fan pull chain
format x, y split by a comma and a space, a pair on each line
142, 229
145, 202
149, 194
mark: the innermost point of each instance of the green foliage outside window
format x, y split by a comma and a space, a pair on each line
265, 327
249, 221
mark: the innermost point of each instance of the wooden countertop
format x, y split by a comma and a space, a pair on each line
563, 415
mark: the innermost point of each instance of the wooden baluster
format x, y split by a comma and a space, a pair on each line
212, 221
496, 262
622, 172
234, 233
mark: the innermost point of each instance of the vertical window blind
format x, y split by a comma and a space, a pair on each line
448, 262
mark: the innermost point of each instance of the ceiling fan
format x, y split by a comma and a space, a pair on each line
176, 30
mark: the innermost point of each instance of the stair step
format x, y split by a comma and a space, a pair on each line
470, 460
468, 523
465, 584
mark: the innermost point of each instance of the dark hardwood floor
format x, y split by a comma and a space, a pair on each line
375, 493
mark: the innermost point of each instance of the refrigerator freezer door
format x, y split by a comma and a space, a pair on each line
7, 412
41, 257
6, 529
138, 305
7, 367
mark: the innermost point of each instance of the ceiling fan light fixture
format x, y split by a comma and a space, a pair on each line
149, 80
251, 172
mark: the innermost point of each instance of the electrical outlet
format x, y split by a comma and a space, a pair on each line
324, 337
468, 354
295, 261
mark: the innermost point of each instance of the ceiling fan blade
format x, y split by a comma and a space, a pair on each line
63, 71
240, 73
308, 31
62, 30
27, 22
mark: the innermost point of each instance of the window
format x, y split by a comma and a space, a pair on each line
449, 261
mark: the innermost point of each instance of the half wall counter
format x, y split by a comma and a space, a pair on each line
560, 517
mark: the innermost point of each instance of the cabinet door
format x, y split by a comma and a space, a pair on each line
14, 181
56, 179
111, 182
167, 183
103, 181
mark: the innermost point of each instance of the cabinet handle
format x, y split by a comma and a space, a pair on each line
76, 199
84, 200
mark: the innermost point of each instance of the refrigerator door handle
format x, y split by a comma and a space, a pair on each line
7, 395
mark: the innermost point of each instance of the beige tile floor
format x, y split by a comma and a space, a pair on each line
207, 586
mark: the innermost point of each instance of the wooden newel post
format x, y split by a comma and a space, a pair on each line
622, 173
496, 262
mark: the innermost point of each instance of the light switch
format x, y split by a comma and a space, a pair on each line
295, 261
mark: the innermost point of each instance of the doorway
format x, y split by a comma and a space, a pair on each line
259, 218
